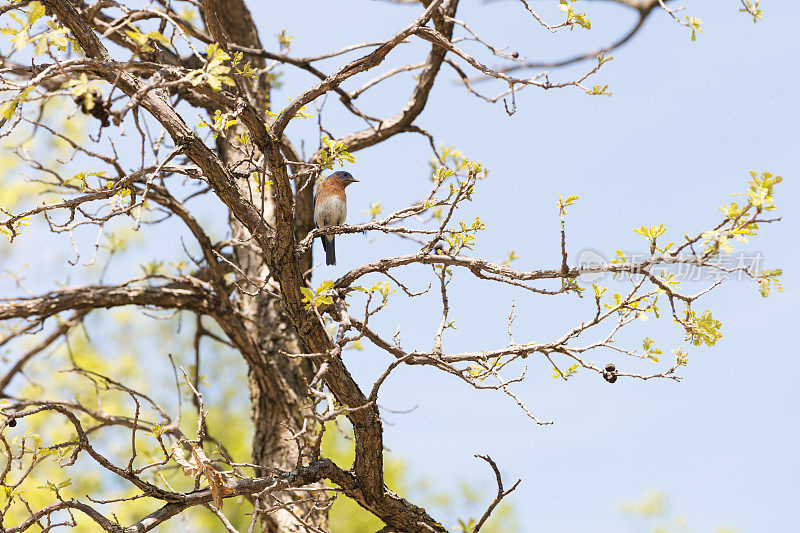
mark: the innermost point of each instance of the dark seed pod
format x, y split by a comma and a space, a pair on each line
515, 55
610, 373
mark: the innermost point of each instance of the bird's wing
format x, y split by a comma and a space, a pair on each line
315, 208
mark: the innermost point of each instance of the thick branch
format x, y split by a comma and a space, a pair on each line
105, 296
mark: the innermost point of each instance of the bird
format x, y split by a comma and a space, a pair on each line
330, 208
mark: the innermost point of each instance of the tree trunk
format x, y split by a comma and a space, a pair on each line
278, 384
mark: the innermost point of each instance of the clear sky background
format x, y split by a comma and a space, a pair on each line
686, 123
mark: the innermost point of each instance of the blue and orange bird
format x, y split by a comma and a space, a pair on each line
330, 208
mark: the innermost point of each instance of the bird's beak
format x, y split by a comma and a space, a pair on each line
353, 179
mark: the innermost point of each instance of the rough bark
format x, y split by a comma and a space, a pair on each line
277, 384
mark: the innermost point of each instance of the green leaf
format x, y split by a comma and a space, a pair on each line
696, 25
600, 90
334, 152
573, 17
702, 329
563, 203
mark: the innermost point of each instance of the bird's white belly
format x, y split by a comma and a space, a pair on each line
331, 211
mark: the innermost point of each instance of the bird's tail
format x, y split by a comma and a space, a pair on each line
330, 249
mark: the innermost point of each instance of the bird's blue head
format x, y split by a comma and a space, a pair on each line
344, 177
